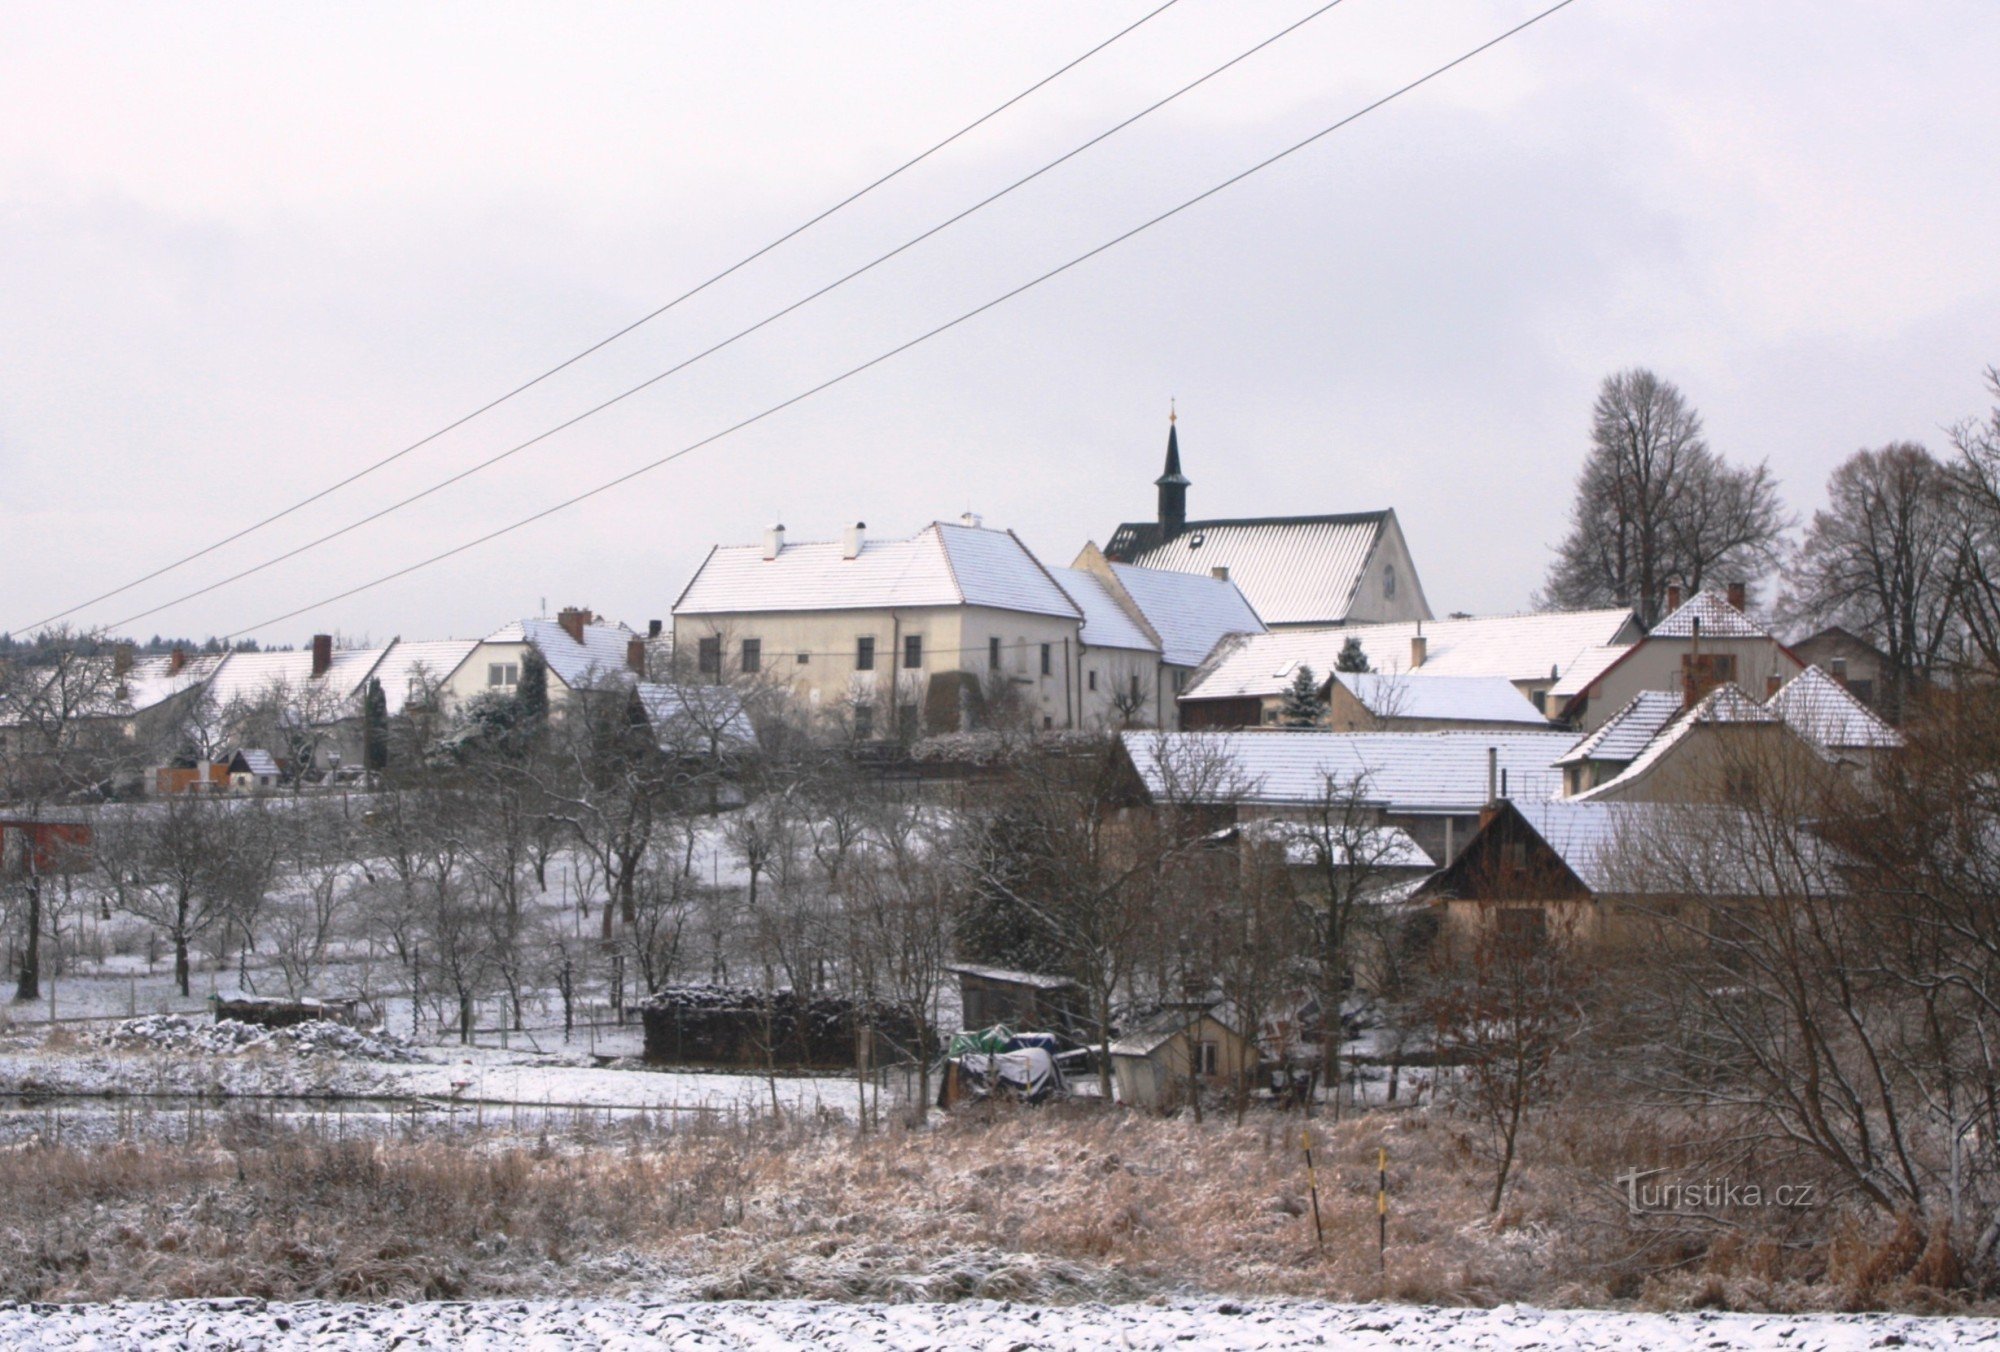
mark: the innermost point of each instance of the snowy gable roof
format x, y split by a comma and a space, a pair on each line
1105, 623
599, 658
1191, 612
1294, 570
1628, 732
247, 678
941, 565
697, 717
1724, 704
1586, 667
1718, 619
1826, 712
1386, 847
1522, 648
1416, 772
1717, 850
403, 663
1458, 699
254, 762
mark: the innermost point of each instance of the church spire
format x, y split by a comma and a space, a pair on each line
1173, 484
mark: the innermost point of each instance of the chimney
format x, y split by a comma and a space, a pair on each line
1772, 684
1492, 774
573, 619
653, 628
972, 519
1836, 667
1737, 596
774, 540
635, 654
1220, 572
850, 541
1673, 597
1419, 646
176, 659
121, 658
322, 654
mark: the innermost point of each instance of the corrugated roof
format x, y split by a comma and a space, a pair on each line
941, 565
1462, 699
1626, 733
1105, 623
1824, 711
1718, 619
1517, 647
1191, 612
1294, 570
1419, 772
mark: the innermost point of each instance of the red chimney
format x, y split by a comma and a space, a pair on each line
635, 655
1673, 597
573, 620
322, 654
1772, 684
175, 661
1737, 596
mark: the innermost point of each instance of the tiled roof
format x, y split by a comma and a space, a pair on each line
1724, 704
1718, 619
1517, 647
1598, 841
246, 678
1626, 733
1294, 570
1105, 623
599, 658
1824, 711
436, 658
1462, 699
941, 565
1419, 772
1191, 612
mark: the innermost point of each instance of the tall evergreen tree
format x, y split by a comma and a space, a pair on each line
533, 689
375, 728
1302, 707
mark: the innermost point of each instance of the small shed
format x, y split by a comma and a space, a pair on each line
252, 770
1160, 1056
1004, 995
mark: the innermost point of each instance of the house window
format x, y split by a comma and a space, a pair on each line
753, 654
805, 658
709, 657
1208, 1059
1090, 679
864, 654
1048, 657
993, 654
1180, 679
1047, 722
503, 674
864, 722
913, 651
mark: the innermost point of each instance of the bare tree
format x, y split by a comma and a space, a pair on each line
1654, 504
187, 866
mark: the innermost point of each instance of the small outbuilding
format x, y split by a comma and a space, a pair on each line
1004, 995
1157, 1060
251, 771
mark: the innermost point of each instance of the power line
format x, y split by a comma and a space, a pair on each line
647, 318
924, 337
709, 351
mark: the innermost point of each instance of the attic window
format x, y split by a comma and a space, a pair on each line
1197, 540
1389, 581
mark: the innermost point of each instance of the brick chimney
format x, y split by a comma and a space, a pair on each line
635, 655
851, 538
1220, 572
121, 658
1673, 597
176, 660
653, 628
1738, 596
572, 619
1419, 649
774, 541
322, 654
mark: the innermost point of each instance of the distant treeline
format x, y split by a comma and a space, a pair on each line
31, 651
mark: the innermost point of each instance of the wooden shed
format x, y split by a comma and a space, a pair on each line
1021, 1000
1155, 1061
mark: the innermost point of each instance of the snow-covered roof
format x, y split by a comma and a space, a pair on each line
1587, 666
95, 690
1824, 711
246, 678
1036, 980
1718, 619
401, 664
1724, 704
941, 565
1191, 612
681, 714
256, 762
1294, 570
599, 658
1105, 623
1386, 847
1626, 733
1621, 847
1457, 699
1416, 772
1523, 648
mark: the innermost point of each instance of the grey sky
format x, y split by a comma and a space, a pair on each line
246, 249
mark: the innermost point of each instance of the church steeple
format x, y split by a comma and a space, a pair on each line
1173, 484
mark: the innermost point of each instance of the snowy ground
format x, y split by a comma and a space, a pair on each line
1006, 1327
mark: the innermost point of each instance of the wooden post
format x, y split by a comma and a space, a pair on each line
1312, 1182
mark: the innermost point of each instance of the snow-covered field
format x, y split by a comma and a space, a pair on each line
1197, 1326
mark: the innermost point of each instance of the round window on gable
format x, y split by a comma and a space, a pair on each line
1388, 580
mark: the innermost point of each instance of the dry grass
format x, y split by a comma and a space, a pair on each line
1048, 1204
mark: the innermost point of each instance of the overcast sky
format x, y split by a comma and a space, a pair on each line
245, 250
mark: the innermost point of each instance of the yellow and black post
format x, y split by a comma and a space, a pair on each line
1382, 1210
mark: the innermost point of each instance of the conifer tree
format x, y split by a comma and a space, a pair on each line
1302, 707
1352, 659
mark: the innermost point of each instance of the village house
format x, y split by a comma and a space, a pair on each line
1723, 748
580, 650
1244, 681
1433, 785
1705, 642
1296, 570
1851, 660
1830, 715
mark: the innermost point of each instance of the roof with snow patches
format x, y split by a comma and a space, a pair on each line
1454, 699
1294, 570
1824, 711
1191, 612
